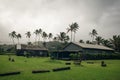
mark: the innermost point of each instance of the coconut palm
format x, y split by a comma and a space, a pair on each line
18, 36
44, 35
67, 38
71, 29
88, 42
12, 36
76, 27
50, 36
116, 42
81, 41
93, 34
99, 40
63, 37
55, 39
36, 33
28, 35
39, 34
107, 43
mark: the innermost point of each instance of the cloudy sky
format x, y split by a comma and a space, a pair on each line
55, 16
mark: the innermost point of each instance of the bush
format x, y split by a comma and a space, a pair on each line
101, 56
103, 64
68, 63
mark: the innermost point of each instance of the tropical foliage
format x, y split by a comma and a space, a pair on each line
73, 28
28, 35
63, 37
13, 36
116, 42
93, 34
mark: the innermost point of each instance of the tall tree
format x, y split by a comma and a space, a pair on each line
12, 36
28, 35
50, 36
18, 36
81, 41
107, 43
44, 35
63, 37
93, 34
99, 40
36, 33
70, 29
55, 39
116, 42
73, 28
88, 42
39, 34
67, 38
76, 27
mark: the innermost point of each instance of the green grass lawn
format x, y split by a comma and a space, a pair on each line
85, 72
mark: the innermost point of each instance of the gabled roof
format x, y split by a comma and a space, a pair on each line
32, 47
91, 46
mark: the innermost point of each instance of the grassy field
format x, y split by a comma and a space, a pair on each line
85, 72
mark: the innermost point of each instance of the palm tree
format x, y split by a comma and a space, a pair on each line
67, 38
44, 35
39, 34
55, 39
18, 36
99, 40
70, 29
50, 36
13, 36
28, 35
73, 28
63, 37
116, 42
93, 34
107, 43
36, 33
81, 41
76, 27
88, 42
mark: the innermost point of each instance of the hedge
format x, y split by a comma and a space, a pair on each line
101, 56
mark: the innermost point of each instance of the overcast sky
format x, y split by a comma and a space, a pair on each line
55, 16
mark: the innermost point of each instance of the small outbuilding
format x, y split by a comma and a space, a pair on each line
31, 50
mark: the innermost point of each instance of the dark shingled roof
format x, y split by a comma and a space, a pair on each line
32, 47
92, 46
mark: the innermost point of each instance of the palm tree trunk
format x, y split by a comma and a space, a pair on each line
28, 39
74, 36
13, 41
18, 41
71, 36
38, 39
93, 39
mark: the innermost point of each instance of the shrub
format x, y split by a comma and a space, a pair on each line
90, 62
103, 64
101, 56
68, 63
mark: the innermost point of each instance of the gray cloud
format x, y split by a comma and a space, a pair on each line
55, 15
